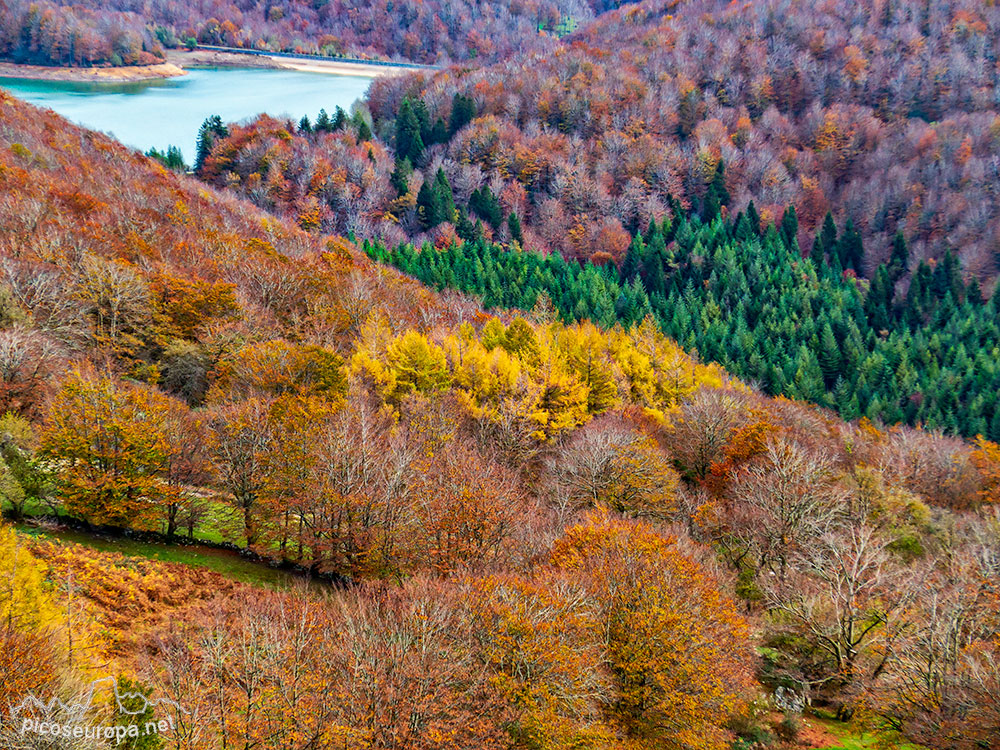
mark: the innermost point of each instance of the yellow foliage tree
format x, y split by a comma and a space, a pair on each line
678, 649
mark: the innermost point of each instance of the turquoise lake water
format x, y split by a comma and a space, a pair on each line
169, 111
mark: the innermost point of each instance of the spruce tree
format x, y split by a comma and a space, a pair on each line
446, 198
790, 227
323, 122
463, 109
828, 232
653, 265
829, 355
439, 132
514, 226
850, 249
974, 294
463, 227
210, 131
400, 176
818, 252
633, 259
878, 303
486, 206
409, 142
899, 260
429, 210
339, 119
753, 218
423, 119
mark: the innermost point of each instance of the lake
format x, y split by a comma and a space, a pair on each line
169, 111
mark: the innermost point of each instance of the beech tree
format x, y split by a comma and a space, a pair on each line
111, 448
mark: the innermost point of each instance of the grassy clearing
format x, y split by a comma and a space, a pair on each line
848, 737
227, 563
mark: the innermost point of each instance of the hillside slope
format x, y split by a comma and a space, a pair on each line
547, 534
881, 112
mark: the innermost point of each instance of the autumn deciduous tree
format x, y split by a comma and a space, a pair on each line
186, 467
27, 361
274, 368
986, 459
27, 660
679, 652
612, 465
464, 509
779, 504
109, 443
847, 598
240, 434
702, 429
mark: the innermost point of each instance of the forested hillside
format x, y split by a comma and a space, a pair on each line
48, 33
730, 286
883, 112
867, 134
86, 32
546, 534
746, 299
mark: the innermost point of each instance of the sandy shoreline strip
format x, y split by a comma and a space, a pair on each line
124, 74
204, 57
178, 60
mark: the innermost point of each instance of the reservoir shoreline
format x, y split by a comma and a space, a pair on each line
169, 111
179, 60
122, 74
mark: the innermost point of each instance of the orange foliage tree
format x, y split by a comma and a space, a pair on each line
679, 651
109, 445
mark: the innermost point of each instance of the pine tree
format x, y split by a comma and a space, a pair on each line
304, 125
463, 109
211, 130
899, 260
790, 228
409, 142
514, 226
400, 176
